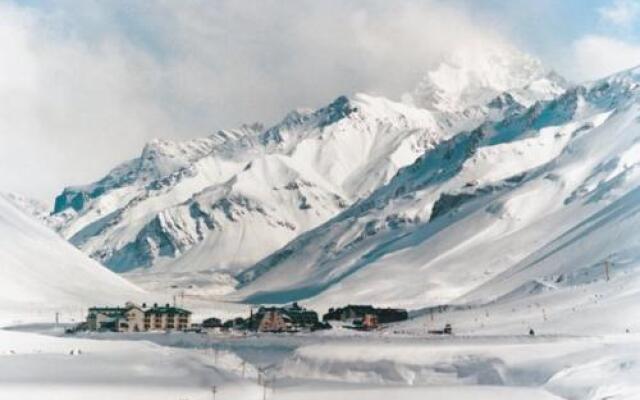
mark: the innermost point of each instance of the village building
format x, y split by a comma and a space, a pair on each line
274, 320
129, 318
237, 323
283, 319
388, 315
357, 312
211, 323
166, 318
134, 318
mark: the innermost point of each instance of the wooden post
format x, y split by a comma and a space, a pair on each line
606, 270
214, 390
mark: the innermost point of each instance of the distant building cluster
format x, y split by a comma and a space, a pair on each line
286, 319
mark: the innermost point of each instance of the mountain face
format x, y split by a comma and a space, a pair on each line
538, 201
42, 271
476, 75
223, 203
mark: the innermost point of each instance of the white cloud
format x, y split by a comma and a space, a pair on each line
84, 84
621, 13
598, 56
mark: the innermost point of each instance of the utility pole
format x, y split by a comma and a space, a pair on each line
214, 390
606, 270
251, 318
261, 375
243, 367
57, 318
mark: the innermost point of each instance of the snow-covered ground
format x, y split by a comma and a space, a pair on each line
338, 364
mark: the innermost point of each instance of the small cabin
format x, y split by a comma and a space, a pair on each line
284, 319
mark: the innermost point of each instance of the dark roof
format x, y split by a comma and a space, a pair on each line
109, 311
294, 312
360, 307
302, 316
167, 310
105, 309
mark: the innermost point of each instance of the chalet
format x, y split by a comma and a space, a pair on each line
129, 318
350, 312
357, 312
166, 318
274, 320
283, 319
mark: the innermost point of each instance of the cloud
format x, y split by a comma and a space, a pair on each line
621, 13
598, 56
85, 84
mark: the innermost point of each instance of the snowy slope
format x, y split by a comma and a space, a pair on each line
39, 210
535, 197
42, 271
279, 183
224, 202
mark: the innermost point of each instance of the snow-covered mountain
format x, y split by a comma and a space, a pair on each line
224, 202
540, 201
475, 75
41, 271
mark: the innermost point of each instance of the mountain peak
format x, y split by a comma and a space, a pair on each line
473, 76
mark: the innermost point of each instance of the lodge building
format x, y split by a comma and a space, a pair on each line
134, 318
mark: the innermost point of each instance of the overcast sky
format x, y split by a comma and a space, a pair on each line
84, 84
